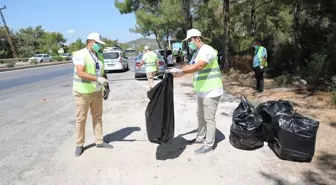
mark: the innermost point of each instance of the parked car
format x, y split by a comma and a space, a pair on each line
169, 60
41, 58
138, 73
66, 56
115, 61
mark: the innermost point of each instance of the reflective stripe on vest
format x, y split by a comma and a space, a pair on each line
260, 51
150, 62
82, 85
209, 78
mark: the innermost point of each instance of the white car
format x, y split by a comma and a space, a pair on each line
41, 58
115, 61
66, 55
170, 61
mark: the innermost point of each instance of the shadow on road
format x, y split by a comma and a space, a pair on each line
276, 180
219, 138
333, 124
119, 135
322, 172
171, 150
174, 149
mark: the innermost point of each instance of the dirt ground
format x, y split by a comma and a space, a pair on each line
38, 140
317, 107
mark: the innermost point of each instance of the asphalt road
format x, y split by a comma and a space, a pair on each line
12, 79
37, 114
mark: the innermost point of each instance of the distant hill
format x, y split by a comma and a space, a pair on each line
143, 41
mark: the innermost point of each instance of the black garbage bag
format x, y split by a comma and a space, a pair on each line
246, 131
160, 120
295, 137
268, 111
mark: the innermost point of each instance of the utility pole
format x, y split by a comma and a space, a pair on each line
8, 34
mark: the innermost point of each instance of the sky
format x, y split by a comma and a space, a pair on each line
73, 18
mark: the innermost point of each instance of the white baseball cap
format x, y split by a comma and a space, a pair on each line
96, 37
193, 33
146, 48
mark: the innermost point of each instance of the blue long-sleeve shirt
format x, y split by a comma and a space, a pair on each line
256, 58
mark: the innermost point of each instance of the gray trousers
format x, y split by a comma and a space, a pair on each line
206, 113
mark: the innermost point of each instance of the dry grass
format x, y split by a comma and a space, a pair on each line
318, 106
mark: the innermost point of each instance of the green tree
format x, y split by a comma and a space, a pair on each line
123, 46
75, 46
5, 50
52, 41
160, 18
109, 42
37, 40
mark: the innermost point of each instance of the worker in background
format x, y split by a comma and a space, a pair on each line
88, 86
165, 56
208, 86
151, 61
259, 64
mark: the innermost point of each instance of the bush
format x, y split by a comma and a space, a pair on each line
312, 73
333, 90
284, 80
10, 64
33, 62
57, 58
241, 63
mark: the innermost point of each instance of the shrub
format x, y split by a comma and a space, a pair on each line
333, 90
33, 62
284, 80
57, 58
241, 63
10, 64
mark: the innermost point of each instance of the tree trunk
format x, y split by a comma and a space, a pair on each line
188, 19
297, 45
252, 21
157, 40
226, 9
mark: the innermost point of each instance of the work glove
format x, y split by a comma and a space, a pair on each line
261, 67
102, 81
175, 71
106, 92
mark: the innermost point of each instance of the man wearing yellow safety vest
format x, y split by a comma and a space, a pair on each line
151, 61
259, 64
88, 84
208, 86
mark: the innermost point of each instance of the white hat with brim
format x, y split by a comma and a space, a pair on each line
146, 48
193, 33
96, 37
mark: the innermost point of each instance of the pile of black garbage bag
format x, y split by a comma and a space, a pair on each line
289, 134
160, 120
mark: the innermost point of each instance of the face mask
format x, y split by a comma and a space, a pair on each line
256, 47
192, 46
96, 47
